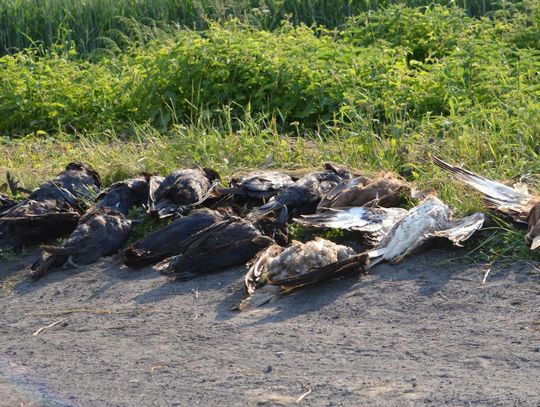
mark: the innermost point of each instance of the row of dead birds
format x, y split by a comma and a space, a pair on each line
215, 228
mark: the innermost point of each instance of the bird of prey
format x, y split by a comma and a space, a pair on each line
303, 196
515, 202
429, 220
385, 190
258, 185
77, 182
278, 268
100, 232
32, 222
182, 190
167, 241
51, 210
231, 242
123, 195
374, 223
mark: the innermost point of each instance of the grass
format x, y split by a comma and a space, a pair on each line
380, 92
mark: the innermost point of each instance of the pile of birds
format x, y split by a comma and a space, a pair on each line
212, 228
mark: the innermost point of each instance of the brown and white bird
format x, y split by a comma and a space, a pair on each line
430, 220
100, 232
386, 191
515, 202
167, 241
182, 190
231, 242
278, 268
373, 223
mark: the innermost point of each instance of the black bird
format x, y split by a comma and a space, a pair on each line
33, 222
258, 185
225, 244
123, 195
77, 182
182, 190
100, 232
51, 210
168, 241
304, 195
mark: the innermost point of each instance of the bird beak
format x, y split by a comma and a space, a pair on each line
535, 243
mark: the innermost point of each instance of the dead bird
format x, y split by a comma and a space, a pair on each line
100, 232
231, 242
258, 185
123, 195
429, 220
300, 264
374, 223
167, 241
304, 195
385, 190
77, 182
515, 202
182, 190
33, 222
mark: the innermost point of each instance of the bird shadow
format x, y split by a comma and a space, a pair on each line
288, 305
203, 283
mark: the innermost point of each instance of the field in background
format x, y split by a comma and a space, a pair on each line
374, 85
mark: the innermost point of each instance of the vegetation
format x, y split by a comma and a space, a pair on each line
91, 25
377, 91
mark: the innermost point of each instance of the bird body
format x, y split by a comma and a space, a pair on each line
33, 222
167, 241
303, 196
77, 181
258, 185
123, 195
297, 265
183, 189
431, 219
385, 191
228, 243
100, 232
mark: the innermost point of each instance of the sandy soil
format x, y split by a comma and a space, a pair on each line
423, 332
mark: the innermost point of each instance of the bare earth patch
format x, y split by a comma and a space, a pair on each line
423, 332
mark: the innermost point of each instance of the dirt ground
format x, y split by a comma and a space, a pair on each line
422, 332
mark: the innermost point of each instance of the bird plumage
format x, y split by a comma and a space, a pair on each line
182, 190
258, 185
385, 190
167, 241
297, 265
515, 202
374, 223
228, 243
100, 232
431, 219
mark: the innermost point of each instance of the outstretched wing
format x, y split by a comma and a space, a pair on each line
511, 201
